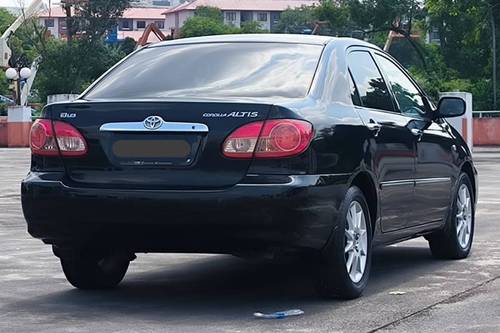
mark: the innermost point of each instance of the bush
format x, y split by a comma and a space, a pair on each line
205, 26
251, 27
128, 45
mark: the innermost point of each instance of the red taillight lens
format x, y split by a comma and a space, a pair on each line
269, 139
44, 134
42, 141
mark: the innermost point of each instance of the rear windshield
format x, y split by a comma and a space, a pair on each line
212, 70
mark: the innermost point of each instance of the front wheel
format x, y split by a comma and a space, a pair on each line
88, 270
455, 240
346, 261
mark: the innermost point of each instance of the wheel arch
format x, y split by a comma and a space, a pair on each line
468, 169
365, 182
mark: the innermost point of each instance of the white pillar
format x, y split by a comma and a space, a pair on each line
18, 126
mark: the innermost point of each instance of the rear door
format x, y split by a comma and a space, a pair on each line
434, 166
184, 152
392, 147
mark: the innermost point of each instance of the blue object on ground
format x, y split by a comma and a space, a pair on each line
279, 314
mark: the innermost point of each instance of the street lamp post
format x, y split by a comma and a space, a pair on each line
18, 115
19, 77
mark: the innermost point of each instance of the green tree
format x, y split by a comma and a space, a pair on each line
70, 68
336, 13
6, 19
464, 34
204, 26
93, 19
210, 12
296, 20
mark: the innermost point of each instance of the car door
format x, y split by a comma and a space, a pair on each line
434, 146
392, 145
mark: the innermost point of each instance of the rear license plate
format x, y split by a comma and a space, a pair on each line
157, 150
151, 149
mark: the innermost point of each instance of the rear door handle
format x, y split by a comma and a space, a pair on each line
374, 127
417, 132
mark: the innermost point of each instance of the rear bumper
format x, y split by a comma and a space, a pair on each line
246, 217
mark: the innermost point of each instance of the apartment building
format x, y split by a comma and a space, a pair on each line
235, 12
131, 24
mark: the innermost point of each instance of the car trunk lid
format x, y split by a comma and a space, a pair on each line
160, 145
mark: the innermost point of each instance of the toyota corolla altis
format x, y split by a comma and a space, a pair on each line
250, 144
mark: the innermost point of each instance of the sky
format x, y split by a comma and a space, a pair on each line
15, 3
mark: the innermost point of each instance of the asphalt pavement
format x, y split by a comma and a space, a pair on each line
409, 291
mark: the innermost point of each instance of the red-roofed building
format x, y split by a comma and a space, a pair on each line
131, 24
266, 12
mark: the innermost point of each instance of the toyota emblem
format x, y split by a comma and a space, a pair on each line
153, 122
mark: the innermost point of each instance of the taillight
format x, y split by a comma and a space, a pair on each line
44, 134
269, 139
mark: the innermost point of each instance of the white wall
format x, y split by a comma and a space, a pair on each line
183, 16
170, 21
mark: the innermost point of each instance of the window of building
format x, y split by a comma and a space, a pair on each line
125, 25
434, 36
141, 24
407, 95
62, 25
371, 86
262, 17
160, 24
231, 16
49, 23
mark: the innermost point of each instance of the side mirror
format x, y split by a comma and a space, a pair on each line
450, 107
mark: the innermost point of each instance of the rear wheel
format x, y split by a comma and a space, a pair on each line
86, 270
455, 240
346, 261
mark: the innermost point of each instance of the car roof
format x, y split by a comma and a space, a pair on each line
262, 38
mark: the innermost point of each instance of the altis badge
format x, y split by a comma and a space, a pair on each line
234, 114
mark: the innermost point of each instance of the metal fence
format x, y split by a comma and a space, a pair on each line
486, 114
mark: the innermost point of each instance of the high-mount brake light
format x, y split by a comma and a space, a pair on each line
44, 134
269, 139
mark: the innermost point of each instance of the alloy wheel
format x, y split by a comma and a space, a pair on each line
356, 242
464, 216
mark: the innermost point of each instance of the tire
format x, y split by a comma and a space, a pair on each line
347, 245
454, 241
86, 270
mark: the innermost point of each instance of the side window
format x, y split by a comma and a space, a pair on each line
372, 89
354, 92
407, 96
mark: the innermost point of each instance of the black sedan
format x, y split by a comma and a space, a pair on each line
250, 144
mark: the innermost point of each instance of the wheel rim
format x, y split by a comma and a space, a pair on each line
356, 242
464, 216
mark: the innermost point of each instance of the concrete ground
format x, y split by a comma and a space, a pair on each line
216, 293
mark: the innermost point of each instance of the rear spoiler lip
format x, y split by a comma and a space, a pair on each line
192, 99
